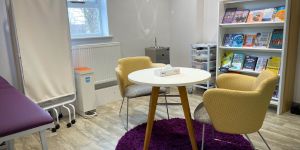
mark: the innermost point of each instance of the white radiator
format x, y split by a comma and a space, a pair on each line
102, 57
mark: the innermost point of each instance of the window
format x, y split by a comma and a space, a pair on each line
88, 18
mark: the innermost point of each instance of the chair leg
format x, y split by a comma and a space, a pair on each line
250, 141
264, 140
43, 140
167, 106
203, 134
10, 145
127, 114
121, 106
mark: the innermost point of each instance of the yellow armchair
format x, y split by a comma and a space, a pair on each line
129, 90
239, 103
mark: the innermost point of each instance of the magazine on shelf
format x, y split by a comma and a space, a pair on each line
241, 16
237, 40
274, 64
249, 40
261, 63
237, 61
268, 14
262, 39
276, 39
250, 62
229, 15
227, 40
255, 16
226, 59
279, 13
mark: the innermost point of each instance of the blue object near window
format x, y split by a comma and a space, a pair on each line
88, 18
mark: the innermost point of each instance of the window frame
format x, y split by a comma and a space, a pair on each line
101, 5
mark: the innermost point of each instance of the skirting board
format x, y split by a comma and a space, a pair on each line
108, 95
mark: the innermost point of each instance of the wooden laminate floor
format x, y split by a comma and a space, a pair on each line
103, 132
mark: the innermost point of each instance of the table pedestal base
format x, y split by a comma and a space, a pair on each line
186, 110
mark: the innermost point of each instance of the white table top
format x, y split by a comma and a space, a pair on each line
187, 76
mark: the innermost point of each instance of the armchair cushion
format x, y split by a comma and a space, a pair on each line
137, 90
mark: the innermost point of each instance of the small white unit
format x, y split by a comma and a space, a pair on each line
86, 96
203, 57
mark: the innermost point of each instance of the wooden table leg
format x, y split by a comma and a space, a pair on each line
151, 115
187, 115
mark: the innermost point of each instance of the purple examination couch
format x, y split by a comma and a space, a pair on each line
20, 116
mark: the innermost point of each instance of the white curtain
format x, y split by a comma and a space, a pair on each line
42, 34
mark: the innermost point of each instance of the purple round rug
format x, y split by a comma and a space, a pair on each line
172, 134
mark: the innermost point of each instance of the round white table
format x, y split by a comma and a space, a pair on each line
187, 76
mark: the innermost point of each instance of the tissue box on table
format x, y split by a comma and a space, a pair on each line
167, 71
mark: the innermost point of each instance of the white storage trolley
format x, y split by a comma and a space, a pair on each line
203, 56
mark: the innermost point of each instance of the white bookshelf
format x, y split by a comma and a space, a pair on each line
253, 28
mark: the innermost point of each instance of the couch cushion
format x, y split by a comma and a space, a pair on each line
137, 90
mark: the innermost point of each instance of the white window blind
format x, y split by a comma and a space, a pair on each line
88, 18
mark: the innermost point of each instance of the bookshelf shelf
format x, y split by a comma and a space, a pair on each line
251, 49
245, 71
252, 25
237, 1
249, 29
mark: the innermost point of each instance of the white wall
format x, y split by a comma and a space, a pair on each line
135, 23
297, 78
210, 21
186, 29
7, 69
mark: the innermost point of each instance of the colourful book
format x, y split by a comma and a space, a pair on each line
249, 40
279, 13
237, 40
268, 14
276, 39
237, 61
250, 63
226, 59
274, 64
262, 39
255, 16
261, 63
229, 15
241, 16
227, 40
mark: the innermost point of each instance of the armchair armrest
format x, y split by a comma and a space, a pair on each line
121, 81
235, 112
157, 65
235, 82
